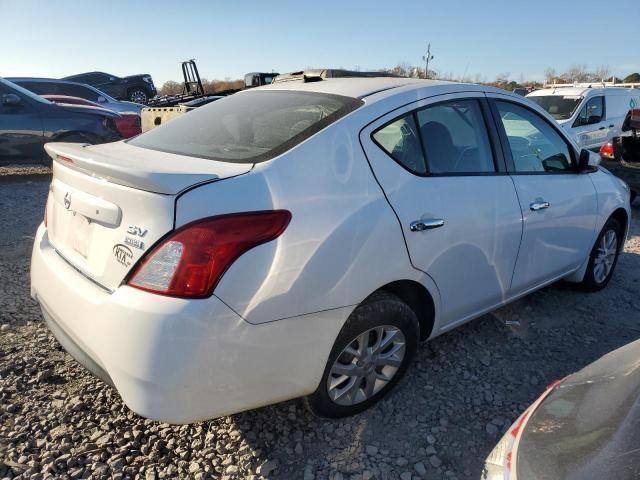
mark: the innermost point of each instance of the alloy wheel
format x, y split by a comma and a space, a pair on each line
366, 365
138, 96
606, 256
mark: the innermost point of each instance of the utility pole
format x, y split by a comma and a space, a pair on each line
426, 59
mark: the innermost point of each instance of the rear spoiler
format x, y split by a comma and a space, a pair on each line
114, 169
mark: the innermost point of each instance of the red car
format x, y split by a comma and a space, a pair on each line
128, 124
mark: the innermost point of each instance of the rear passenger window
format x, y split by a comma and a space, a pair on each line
400, 140
80, 91
535, 145
455, 138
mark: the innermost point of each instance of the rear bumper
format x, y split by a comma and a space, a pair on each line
80, 353
179, 360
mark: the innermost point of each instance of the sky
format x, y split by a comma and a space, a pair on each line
230, 38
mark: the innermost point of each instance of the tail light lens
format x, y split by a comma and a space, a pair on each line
498, 465
128, 125
606, 150
190, 261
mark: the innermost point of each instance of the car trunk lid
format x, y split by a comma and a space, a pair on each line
109, 204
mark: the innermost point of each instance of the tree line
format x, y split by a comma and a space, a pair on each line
575, 73
210, 86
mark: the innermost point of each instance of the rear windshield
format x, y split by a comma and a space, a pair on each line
560, 107
248, 127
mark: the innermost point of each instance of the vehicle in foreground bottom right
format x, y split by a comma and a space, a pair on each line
584, 427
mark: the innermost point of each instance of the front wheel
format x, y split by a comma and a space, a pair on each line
604, 257
370, 355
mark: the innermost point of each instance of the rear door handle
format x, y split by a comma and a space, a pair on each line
601, 128
428, 224
611, 126
539, 205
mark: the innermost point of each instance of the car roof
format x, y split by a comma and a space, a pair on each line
355, 87
48, 80
85, 73
580, 91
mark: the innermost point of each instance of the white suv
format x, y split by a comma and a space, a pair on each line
300, 239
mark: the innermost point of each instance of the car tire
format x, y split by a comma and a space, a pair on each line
138, 95
391, 331
603, 257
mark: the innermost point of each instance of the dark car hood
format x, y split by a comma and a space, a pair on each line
103, 112
589, 426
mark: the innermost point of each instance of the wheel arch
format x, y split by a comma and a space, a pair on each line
419, 299
621, 215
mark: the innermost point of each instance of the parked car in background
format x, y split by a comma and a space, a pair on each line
135, 88
127, 123
584, 427
49, 86
28, 121
258, 79
592, 115
621, 155
300, 239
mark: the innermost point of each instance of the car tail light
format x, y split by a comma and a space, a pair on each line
189, 262
128, 125
606, 150
46, 207
498, 465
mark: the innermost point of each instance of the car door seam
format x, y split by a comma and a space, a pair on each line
513, 273
404, 239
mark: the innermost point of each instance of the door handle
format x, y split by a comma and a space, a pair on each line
428, 224
539, 205
601, 128
611, 126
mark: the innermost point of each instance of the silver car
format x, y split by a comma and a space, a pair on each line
51, 86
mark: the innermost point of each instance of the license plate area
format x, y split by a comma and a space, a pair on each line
79, 234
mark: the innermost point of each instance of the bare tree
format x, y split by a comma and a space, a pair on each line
171, 88
550, 75
601, 73
577, 73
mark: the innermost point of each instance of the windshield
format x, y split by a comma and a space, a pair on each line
24, 91
248, 127
560, 107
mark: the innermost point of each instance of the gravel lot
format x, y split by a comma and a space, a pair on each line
463, 390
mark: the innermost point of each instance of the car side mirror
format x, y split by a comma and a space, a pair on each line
588, 161
594, 119
11, 100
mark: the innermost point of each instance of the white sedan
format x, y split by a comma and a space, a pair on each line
301, 239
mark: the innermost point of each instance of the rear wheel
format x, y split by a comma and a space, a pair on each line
604, 257
138, 95
370, 355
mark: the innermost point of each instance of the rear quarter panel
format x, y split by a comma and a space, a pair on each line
611, 196
343, 242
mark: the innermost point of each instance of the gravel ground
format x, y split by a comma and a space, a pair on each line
462, 392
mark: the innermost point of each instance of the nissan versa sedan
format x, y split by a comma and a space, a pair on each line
300, 239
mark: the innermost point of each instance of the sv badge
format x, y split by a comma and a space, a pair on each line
137, 231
